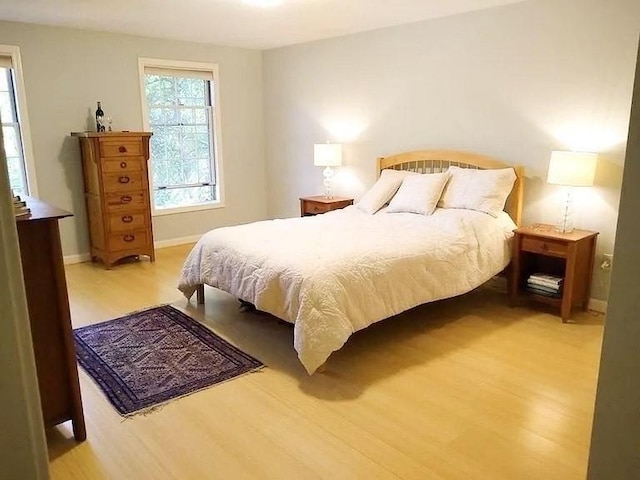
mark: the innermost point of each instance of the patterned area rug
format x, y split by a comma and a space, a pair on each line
147, 358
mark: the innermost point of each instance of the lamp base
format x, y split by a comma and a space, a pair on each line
565, 222
328, 174
563, 229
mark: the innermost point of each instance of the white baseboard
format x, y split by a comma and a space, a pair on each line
594, 304
77, 258
598, 305
172, 242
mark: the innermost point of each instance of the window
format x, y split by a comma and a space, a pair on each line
14, 123
180, 109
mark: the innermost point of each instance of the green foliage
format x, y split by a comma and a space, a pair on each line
4, 79
11, 135
181, 146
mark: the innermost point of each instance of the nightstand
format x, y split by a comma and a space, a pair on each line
320, 204
539, 248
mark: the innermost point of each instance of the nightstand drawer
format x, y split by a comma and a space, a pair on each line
319, 204
312, 207
545, 246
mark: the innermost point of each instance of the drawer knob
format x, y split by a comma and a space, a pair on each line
126, 198
122, 149
123, 164
129, 238
127, 218
124, 179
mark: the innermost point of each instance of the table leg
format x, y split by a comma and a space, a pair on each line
569, 278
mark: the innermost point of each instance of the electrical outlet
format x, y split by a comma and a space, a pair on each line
607, 261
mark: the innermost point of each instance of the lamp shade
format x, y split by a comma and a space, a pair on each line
327, 154
574, 169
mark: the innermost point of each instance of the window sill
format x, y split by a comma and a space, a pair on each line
159, 212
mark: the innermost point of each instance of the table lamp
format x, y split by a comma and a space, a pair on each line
327, 155
570, 169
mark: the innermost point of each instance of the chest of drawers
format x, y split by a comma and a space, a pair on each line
49, 316
116, 186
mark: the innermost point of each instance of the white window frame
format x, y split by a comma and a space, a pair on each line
13, 51
217, 134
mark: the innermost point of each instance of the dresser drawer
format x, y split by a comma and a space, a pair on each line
134, 239
123, 182
116, 165
124, 222
126, 202
124, 148
544, 246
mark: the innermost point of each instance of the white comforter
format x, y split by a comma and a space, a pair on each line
337, 273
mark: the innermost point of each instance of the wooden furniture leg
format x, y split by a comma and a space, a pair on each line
200, 294
592, 258
569, 279
513, 270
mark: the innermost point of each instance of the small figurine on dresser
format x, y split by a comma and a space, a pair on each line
99, 119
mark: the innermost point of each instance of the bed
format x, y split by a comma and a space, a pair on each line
337, 273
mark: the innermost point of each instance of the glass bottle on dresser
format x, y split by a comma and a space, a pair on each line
99, 119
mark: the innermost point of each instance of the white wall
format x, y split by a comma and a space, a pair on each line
513, 82
615, 442
67, 70
23, 451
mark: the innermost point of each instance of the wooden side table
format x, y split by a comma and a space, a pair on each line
321, 204
539, 248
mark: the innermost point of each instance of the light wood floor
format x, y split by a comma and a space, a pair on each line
461, 389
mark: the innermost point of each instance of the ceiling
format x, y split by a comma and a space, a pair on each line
236, 22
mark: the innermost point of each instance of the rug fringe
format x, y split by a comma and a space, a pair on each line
156, 408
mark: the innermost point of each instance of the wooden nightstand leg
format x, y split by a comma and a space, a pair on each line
513, 272
569, 280
587, 293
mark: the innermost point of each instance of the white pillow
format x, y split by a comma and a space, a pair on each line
482, 190
419, 194
382, 190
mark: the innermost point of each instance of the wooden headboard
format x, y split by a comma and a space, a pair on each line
435, 161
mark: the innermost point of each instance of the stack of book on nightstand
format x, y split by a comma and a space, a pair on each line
20, 208
545, 284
